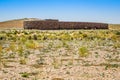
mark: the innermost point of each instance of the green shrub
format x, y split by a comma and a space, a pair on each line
32, 44
83, 51
20, 50
25, 75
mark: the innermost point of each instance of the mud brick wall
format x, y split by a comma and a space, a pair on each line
42, 25
54, 25
82, 25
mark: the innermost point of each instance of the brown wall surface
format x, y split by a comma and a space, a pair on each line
53, 25
41, 25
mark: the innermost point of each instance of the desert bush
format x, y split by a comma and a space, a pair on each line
25, 74
20, 50
116, 45
12, 47
2, 37
2, 62
83, 51
0, 52
32, 44
22, 60
117, 32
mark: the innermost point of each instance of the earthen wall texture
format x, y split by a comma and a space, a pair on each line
56, 25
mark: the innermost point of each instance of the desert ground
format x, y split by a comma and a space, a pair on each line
59, 54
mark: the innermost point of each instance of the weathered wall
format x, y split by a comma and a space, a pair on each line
41, 25
53, 25
82, 25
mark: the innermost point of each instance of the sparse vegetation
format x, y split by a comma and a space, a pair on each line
54, 53
83, 51
25, 74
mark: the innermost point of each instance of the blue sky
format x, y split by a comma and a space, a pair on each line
107, 11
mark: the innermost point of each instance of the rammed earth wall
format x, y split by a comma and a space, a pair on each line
56, 25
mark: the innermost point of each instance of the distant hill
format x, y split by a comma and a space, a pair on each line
114, 26
16, 23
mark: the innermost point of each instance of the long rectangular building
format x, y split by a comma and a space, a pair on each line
58, 25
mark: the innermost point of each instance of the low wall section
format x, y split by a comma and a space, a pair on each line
54, 25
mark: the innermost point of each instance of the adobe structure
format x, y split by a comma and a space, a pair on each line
50, 24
